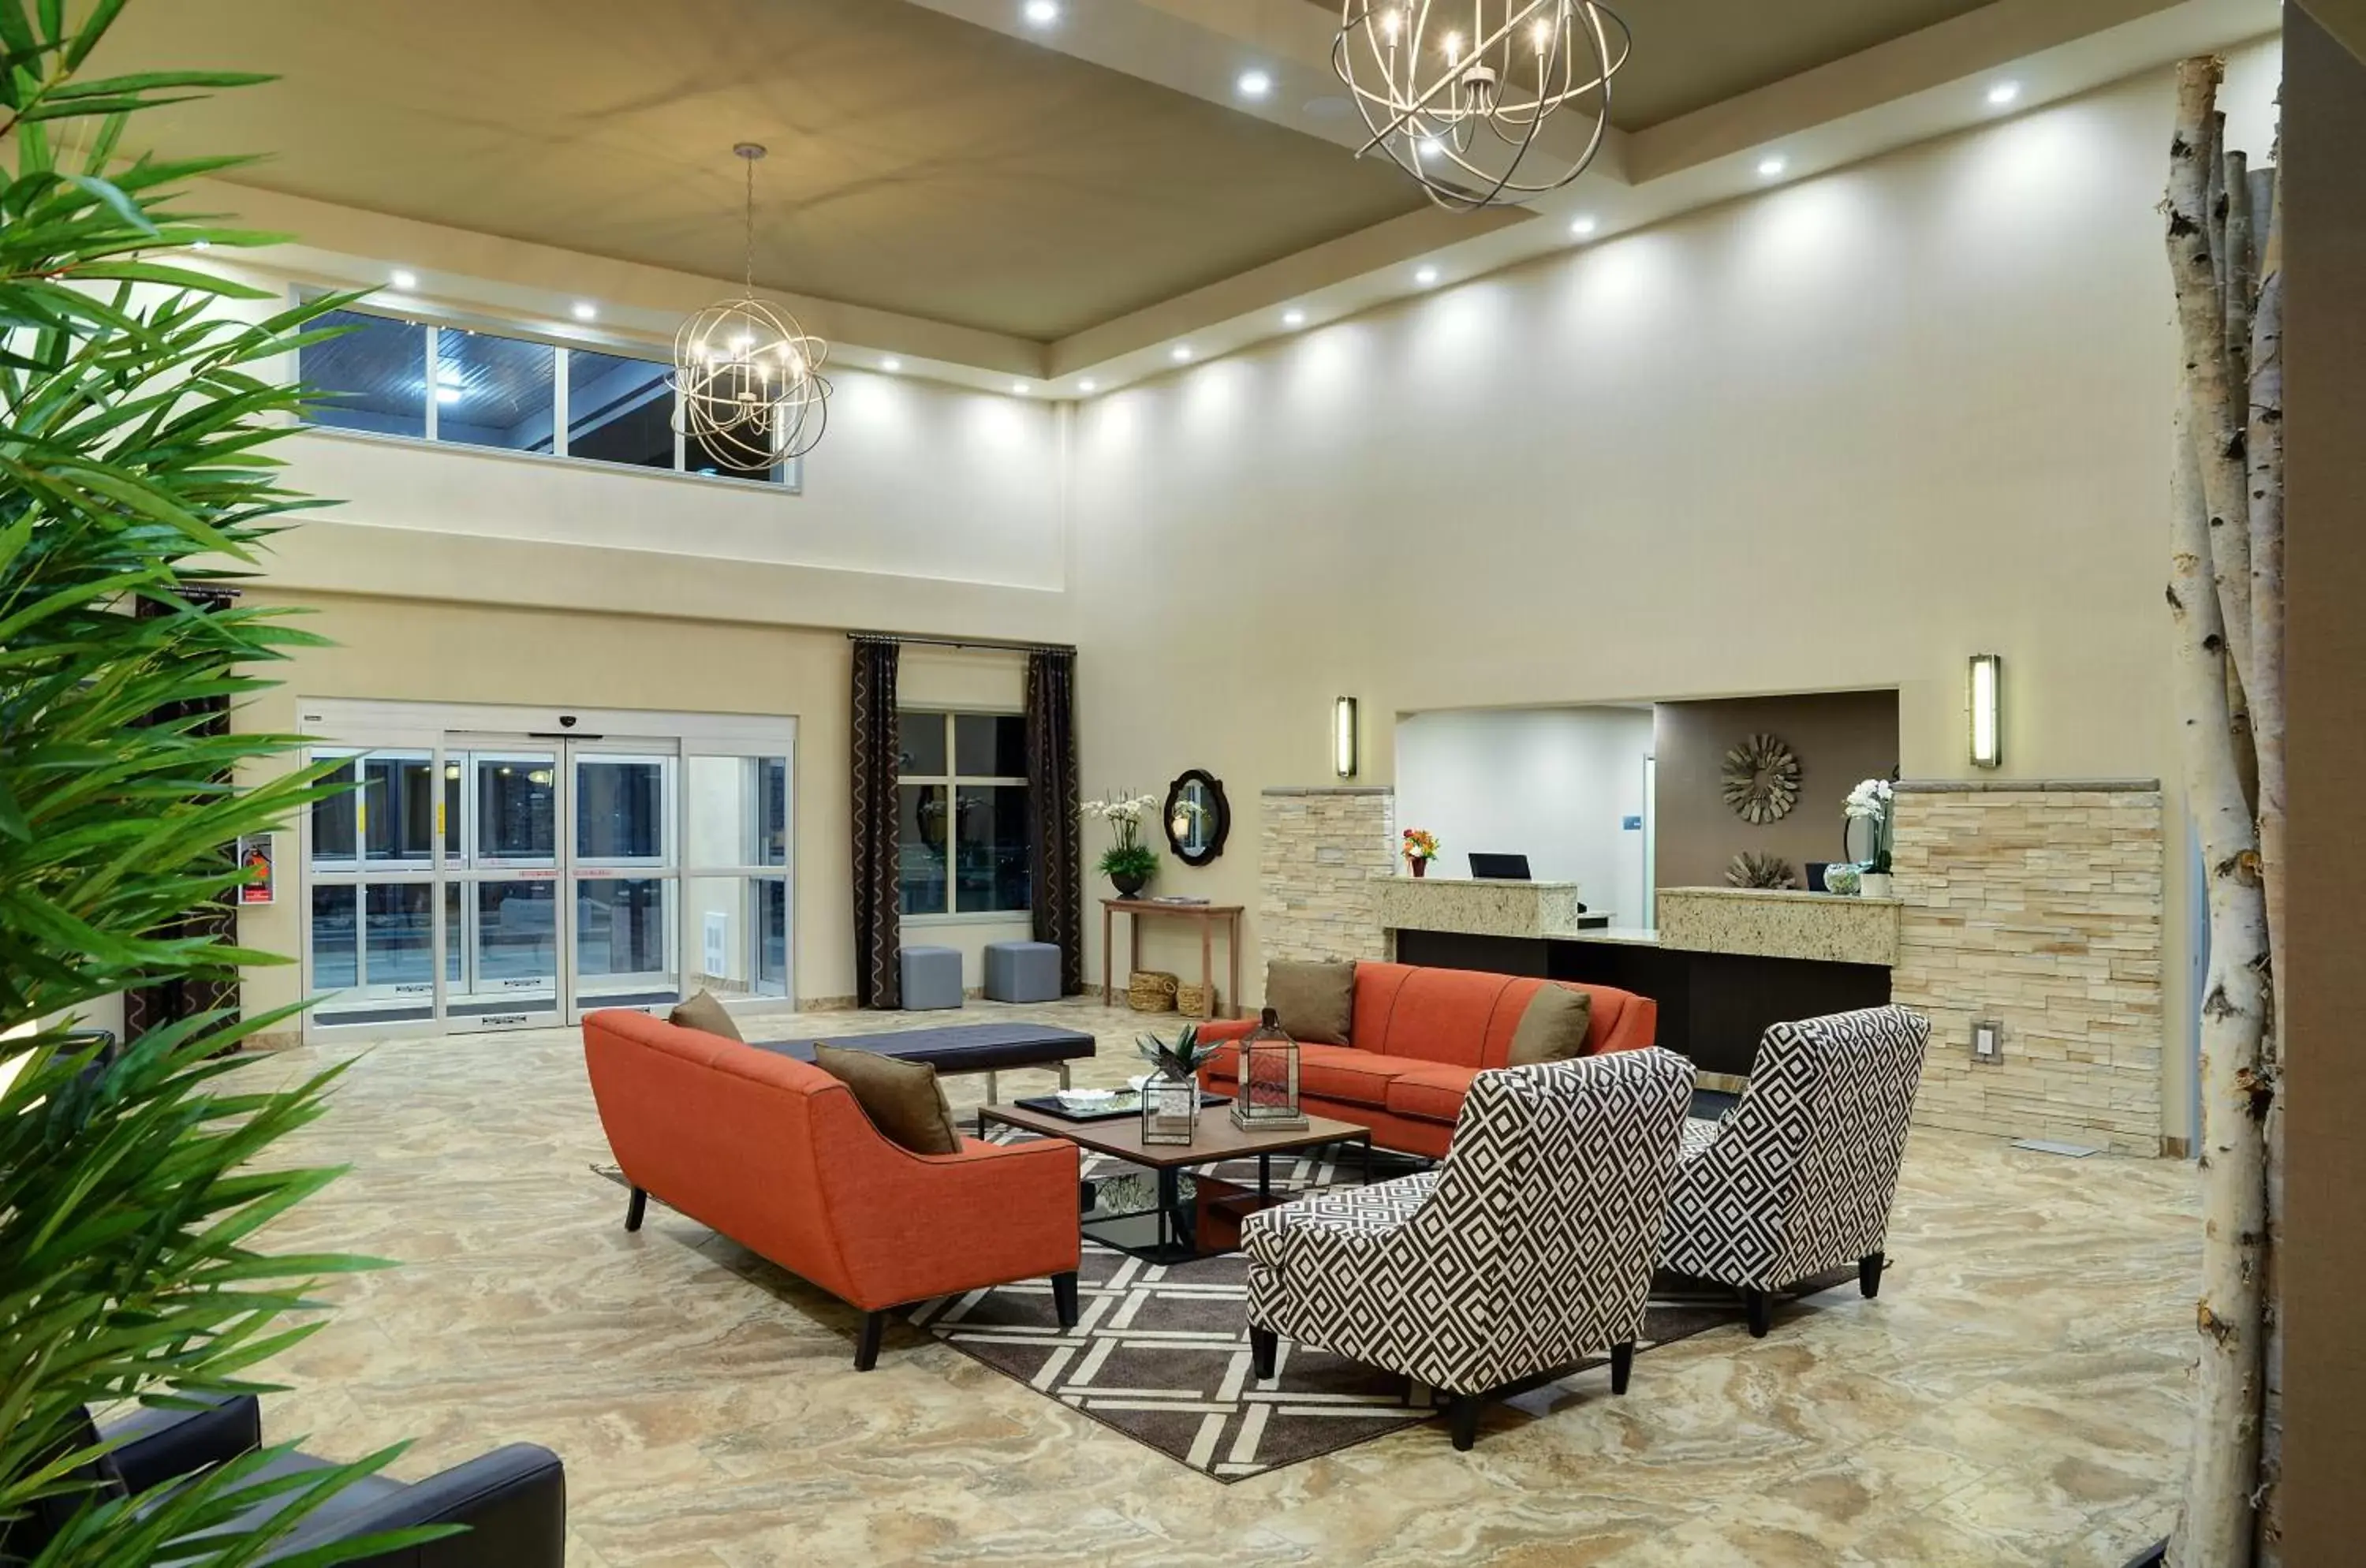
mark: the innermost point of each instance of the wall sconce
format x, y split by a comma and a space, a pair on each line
1343, 738
1988, 739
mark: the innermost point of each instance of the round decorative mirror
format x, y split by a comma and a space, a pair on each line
1198, 818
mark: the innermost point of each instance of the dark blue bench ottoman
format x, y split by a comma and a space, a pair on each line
987, 1048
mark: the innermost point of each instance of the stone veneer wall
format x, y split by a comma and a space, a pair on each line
1318, 852
2037, 904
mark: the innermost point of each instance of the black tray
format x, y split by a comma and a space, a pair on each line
1129, 1103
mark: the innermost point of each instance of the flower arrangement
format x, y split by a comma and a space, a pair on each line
1127, 859
1870, 801
1179, 1058
1420, 844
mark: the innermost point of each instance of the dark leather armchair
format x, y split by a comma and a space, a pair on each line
513, 1500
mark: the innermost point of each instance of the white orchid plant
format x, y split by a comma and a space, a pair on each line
1871, 802
1125, 814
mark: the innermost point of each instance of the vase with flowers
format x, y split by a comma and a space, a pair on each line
1128, 862
1420, 849
1872, 803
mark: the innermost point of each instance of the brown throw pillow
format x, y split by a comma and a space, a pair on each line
902, 1099
1314, 1001
1553, 1028
704, 1013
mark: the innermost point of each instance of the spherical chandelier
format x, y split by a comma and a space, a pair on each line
1458, 91
747, 374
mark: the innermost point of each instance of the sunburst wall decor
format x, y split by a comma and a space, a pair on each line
1761, 779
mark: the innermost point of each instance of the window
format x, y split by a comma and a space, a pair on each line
468, 386
962, 806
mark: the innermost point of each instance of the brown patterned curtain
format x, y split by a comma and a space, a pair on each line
153, 1007
1055, 865
878, 872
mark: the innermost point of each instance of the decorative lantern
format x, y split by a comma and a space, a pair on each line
1170, 1108
1267, 1101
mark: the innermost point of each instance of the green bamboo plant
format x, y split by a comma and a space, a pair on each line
139, 399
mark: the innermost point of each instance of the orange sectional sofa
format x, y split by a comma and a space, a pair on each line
776, 1154
1416, 1038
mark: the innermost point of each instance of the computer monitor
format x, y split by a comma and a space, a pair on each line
1499, 868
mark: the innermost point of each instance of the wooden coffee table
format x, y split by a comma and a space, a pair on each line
1218, 1140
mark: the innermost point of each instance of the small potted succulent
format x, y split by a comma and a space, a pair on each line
1170, 1095
1871, 802
1128, 862
1420, 849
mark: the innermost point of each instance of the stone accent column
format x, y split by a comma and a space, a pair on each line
1318, 852
2037, 904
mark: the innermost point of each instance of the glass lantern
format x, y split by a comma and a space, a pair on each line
1267, 1101
1170, 1108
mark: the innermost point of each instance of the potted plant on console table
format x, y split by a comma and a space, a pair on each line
1420, 849
1129, 864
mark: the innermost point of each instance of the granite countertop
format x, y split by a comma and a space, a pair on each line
1775, 894
1627, 936
1475, 907
1832, 927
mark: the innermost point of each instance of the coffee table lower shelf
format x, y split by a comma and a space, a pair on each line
1171, 1231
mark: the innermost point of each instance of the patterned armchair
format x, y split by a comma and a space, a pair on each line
1797, 1180
1529, 1249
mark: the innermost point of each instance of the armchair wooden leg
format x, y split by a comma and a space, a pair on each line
1622, 1366
1462, 1415
637, 1206
1063, 1297
1868, 1273
866, 1350
1761, 1307
1264, 1346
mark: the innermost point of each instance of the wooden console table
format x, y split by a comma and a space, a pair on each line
1208, 915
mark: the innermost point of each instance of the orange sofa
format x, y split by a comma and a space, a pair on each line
776, 1154
1416, 1038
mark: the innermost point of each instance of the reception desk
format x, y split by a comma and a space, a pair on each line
1723, 964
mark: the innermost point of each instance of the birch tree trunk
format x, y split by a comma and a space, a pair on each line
2217, 1529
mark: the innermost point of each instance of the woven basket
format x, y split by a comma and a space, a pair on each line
1151, 990
1195, 1001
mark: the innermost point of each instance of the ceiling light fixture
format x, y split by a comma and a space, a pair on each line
1293, 318
1088, 385
749, 377
1254, 83
1426, 277
1581, 225
891, 364
1772, 165
406, 281
1179, 352
1042, 13
585, 311
1019, 387
2004, 93
1462, 112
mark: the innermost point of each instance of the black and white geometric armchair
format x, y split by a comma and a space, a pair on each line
1528, 1250
1797, 1179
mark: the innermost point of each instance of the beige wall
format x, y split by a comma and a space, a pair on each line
1840, 737
1839, 436
408, 650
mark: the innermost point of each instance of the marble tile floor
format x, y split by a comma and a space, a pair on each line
2017, 1395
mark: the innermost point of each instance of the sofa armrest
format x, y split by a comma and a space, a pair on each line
160, 1444
513, 1502
1225, 1029
913, 1226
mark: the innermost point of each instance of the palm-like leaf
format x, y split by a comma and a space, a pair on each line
136, 418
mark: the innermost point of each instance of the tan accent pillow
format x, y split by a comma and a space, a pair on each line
902, 1099
704, 1013
1553, 1027
1315, 1001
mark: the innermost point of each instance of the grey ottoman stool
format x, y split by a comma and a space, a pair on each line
1022, 972
932, 977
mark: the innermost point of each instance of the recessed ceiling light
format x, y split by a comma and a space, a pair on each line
1254, 83
1019, 387
1581, 225
404, 280
1179, 352
1429, 147
1772, 165
1293, 318
891, 364
1426, 277
1042, 13
1087, 385
2004, 93
585, 311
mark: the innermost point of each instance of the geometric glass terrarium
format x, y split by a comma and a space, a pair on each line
1267, 1098
1170, 1096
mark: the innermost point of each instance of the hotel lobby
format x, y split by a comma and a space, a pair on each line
1123, 782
